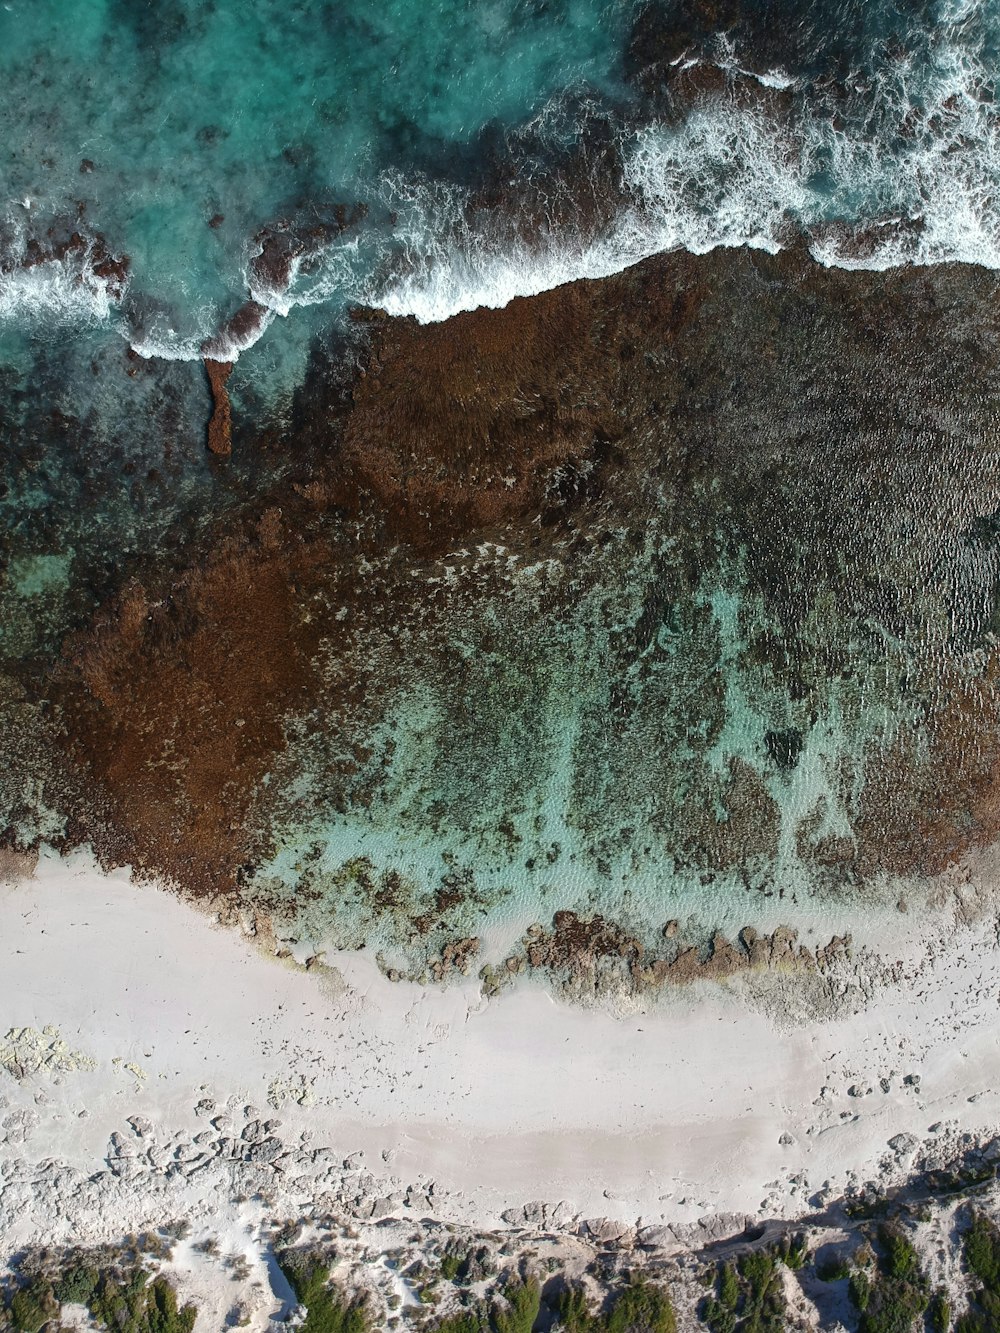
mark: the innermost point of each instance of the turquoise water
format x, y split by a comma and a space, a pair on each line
537, 761
251, 116
188, 111
495, 149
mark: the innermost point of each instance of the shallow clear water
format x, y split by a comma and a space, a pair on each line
497, 148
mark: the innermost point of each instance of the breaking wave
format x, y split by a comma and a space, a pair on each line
69, 287
900, 166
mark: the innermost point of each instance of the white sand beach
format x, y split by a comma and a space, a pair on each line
119, 1001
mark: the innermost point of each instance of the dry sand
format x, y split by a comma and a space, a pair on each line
710, 1102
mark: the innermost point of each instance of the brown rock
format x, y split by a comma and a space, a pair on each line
220, 425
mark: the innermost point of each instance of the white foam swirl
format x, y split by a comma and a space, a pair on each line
58, 292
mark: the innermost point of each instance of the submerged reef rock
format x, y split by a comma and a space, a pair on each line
220, 425
677, 588
86, 257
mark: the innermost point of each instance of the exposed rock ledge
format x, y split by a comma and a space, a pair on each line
220, 426
595, 953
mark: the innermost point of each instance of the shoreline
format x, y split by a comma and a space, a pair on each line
644, 1115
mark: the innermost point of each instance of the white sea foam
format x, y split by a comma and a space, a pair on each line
336, 271
164, 344
714, 180
57, 292
920, 178
915, 162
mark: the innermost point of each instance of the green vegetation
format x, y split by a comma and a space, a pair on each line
465, 1265
466, 1322
893, 1298
523, 1303
642, 1307
792, 1250
860, 1289
939, 1314
32, 1307
326, 1312
134, 1305
833, 1269
76, 1284
517, 1313
123, 1301
451, 1265
899, 1258
749, 1297
981, 1251
639, 1307
729, 1287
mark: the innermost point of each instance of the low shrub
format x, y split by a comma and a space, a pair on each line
981, 1252
132, 1304
523, 1303
76, 1285
939, 1313
833, 1268
639, 1307
893, 1298
326, 1310
450, 1266
32, 1307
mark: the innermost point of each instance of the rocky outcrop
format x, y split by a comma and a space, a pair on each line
220, 425
289, 242
237, 334
592, 953
69, 244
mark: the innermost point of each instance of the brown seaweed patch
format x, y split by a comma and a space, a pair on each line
467, 424
175, 708
935, 792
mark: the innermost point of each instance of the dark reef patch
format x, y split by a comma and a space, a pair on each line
684, 577
220, 424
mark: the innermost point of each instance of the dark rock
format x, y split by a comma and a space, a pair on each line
220, 425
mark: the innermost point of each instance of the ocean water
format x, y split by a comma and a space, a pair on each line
430, 159
148, 126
